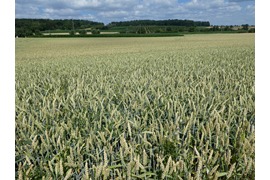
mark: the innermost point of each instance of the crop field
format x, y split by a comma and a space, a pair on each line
136, 108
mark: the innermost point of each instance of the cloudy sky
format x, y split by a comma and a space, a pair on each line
218, 12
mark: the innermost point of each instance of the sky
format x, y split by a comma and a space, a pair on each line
217, 12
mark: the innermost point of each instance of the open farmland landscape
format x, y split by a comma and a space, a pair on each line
136, 108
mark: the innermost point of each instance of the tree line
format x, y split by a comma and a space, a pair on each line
28, 27
170, 22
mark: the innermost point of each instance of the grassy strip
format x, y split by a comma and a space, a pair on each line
114, 35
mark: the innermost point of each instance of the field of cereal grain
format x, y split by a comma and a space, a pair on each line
136, 108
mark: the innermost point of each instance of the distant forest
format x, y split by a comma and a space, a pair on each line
170, 22
28, 27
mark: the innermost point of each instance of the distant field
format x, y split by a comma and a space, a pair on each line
58, 33
136, 108
67, 33
109, 32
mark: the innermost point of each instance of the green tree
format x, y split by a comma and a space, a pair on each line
72, 33
83, 32
227, 28
168, 29
181, 29
191, 29
245, 27
38, 33
251, 30
95, 31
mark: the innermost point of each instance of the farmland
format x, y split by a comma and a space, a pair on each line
136, 108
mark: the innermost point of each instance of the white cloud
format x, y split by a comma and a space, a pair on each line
119, 10
26, 10
240, 0
212, 5
113, 14
250, 7
60, 12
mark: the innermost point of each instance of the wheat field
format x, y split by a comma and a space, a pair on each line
136, 108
